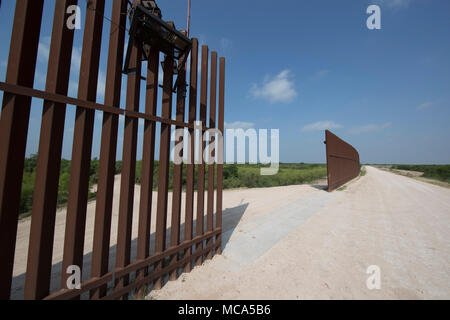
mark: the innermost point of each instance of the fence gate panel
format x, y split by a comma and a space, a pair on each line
178, 247
342, 161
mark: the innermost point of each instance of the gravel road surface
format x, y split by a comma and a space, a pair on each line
301, 242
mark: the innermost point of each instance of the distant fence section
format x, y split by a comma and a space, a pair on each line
176, 249
342, 161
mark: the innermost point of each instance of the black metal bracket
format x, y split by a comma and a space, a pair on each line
147, 29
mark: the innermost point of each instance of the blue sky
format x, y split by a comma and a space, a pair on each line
304, 66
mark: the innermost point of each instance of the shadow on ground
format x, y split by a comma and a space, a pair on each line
230, 219
320, 187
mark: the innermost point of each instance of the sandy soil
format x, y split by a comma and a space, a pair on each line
418, 176
234, 208
397, 223
409, 172
301, 242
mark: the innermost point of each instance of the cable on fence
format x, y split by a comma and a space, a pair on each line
89, 2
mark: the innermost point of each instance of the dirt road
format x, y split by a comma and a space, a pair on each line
301, 242
316, 245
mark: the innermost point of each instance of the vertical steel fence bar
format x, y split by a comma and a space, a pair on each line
178, 171
212, 154
164, 157
45, 196
82, 145
220, 159
14, 129
148, 160
127, 182
202, 144
108, 149
190, 168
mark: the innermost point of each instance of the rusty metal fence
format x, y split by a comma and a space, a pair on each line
342, 161
180, 253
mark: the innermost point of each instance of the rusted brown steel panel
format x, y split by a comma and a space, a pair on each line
221, 119
159, 256
342, 161
45, 197
190, 168
178, 172
157, 274
148, 160
211, 154
108, 149
82, 140
29, 92
14, 129
132, 267
14, 123
127, 182
202, 145
164, 157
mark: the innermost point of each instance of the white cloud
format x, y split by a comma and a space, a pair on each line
73, 89
76, 58
239, 125
369, 128
321, 126
160, 75
44, 49
425, 105
101, 84
279, 89
43, 56
75, 72
43, 52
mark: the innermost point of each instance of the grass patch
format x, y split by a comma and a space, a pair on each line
363, 172
433, 181
28, 184
234, 176
437, 172
433, 174
248, 176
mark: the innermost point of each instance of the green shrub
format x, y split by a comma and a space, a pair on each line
438, 172
234, 176
28, 183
